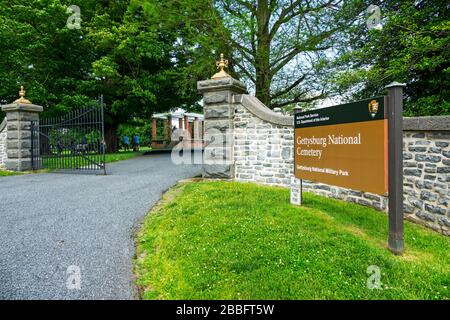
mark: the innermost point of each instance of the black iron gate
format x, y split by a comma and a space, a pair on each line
73, 142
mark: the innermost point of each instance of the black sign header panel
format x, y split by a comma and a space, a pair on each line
359, 111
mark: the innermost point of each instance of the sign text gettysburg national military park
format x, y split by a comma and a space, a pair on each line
344, 145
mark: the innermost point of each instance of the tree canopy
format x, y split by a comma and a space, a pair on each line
413, 47
284, 47
146, 56
117, 52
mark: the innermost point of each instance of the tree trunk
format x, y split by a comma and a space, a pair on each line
111, 138
262, 59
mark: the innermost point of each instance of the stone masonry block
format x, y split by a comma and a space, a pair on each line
217, 97
18, 164
18, 153
18, 144
219, 111
220, 125
18, 135
19, 125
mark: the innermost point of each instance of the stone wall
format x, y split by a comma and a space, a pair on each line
263, 143
3, 135
426, 161
263, 153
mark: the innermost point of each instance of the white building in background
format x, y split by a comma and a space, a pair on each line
191, 122
177, 115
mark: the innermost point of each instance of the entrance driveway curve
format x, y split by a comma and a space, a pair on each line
51, 221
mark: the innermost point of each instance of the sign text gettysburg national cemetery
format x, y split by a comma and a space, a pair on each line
344, 145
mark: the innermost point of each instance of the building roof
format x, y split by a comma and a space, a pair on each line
178, 113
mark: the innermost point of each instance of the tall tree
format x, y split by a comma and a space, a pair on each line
135, 67
413, 46
283, 47
195, 42
40, 52
116, 52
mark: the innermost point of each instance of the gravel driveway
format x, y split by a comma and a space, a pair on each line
51, 221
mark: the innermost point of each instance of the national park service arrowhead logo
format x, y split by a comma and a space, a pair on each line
373, 108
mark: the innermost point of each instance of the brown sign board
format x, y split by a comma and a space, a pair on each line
344, 145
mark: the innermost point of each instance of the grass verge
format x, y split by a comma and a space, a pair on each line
227, 240
124, 155
69, 161
7, 173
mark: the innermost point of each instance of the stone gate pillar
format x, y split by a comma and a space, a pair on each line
218, 109
19, 116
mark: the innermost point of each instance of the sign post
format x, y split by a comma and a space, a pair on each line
395, 151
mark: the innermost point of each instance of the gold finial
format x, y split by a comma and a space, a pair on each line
22, 97
222, 64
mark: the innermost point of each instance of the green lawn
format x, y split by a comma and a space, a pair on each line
124, 155
6, 173
223, 240
69, 161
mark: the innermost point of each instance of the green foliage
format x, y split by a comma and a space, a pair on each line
221, 240
146, 56
6, 173
141, 128
412, 47
194, 44
118, 52
41, 53
70, 136
62, 162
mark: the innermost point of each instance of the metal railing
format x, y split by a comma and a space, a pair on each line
73, 142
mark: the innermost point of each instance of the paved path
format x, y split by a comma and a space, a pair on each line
49, 222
